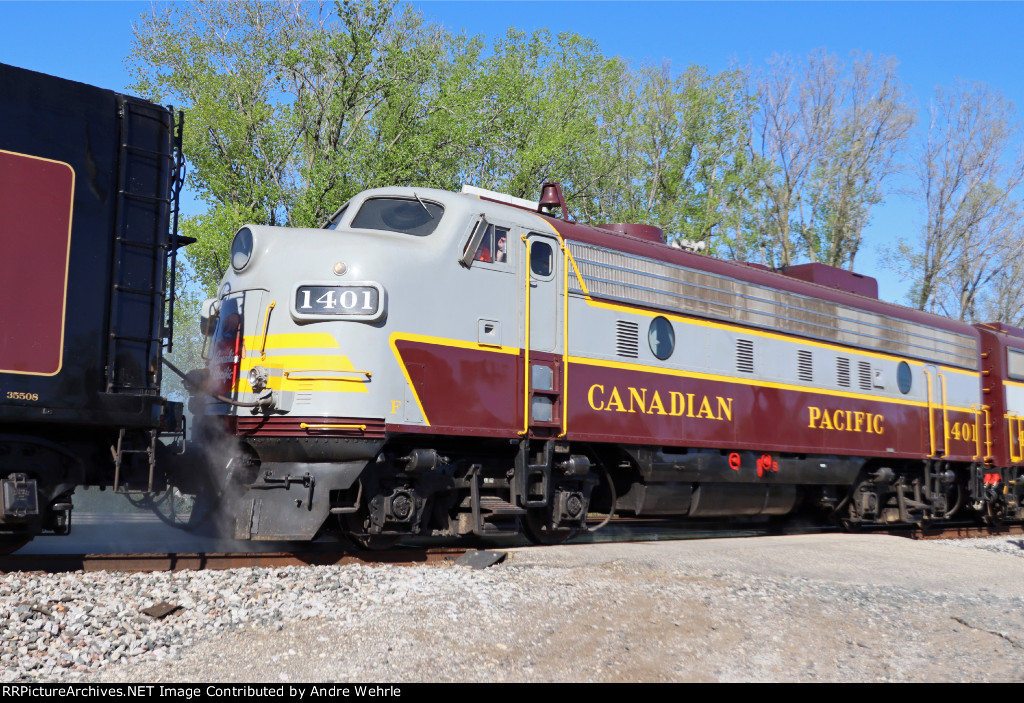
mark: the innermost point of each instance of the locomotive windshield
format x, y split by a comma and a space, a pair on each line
408, 216
1015, 364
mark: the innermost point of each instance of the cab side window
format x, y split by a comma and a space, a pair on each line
493, 246
541, 259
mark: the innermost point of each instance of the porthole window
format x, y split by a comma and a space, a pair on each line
904, 379
540, 259
661, 337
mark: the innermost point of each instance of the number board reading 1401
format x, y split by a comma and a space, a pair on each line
354, 301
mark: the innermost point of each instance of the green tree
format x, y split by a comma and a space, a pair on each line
537, 100
380, 99
293, 108
215, 61
290, 112
970, 185
833, 133
675, 153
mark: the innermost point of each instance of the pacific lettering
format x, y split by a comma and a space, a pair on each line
845, 420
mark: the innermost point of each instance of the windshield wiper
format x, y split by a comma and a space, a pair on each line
422, 205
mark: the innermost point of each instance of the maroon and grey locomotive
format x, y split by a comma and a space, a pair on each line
449, 363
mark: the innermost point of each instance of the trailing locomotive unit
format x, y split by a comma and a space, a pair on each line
1000, 484
468, 363
87, 191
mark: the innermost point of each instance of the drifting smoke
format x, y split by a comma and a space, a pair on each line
207, 470
195, 514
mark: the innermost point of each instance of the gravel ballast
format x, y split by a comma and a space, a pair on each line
812, 608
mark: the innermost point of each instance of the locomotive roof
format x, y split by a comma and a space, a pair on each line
598, 236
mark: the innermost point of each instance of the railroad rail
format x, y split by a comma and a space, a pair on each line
959, 531
629, 530
58, 563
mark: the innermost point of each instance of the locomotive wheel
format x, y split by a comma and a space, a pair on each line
537, 528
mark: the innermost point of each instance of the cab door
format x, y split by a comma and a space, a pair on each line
544, 271
938, 413
543, 333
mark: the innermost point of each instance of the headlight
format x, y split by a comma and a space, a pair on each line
258, 378
241, 249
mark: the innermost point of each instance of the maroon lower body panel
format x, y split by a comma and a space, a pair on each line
635, 407
476, 392
36, 197
465, 391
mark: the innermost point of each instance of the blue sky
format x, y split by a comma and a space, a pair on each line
935, 43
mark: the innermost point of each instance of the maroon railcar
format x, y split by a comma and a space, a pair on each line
799, 385
88, 183
1002, 381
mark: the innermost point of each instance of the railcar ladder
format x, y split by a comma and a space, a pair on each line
121, 451
140, 247
177, 241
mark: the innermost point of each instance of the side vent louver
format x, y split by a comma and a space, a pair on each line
843, 371
627, 339
744, 356
864, 375
804, 365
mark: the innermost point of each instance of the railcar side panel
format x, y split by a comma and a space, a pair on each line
461, 389
780, 390
88, 183
36, 199
633, 405
87, 188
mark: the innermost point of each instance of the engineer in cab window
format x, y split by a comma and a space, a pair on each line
499, 253
493, 246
